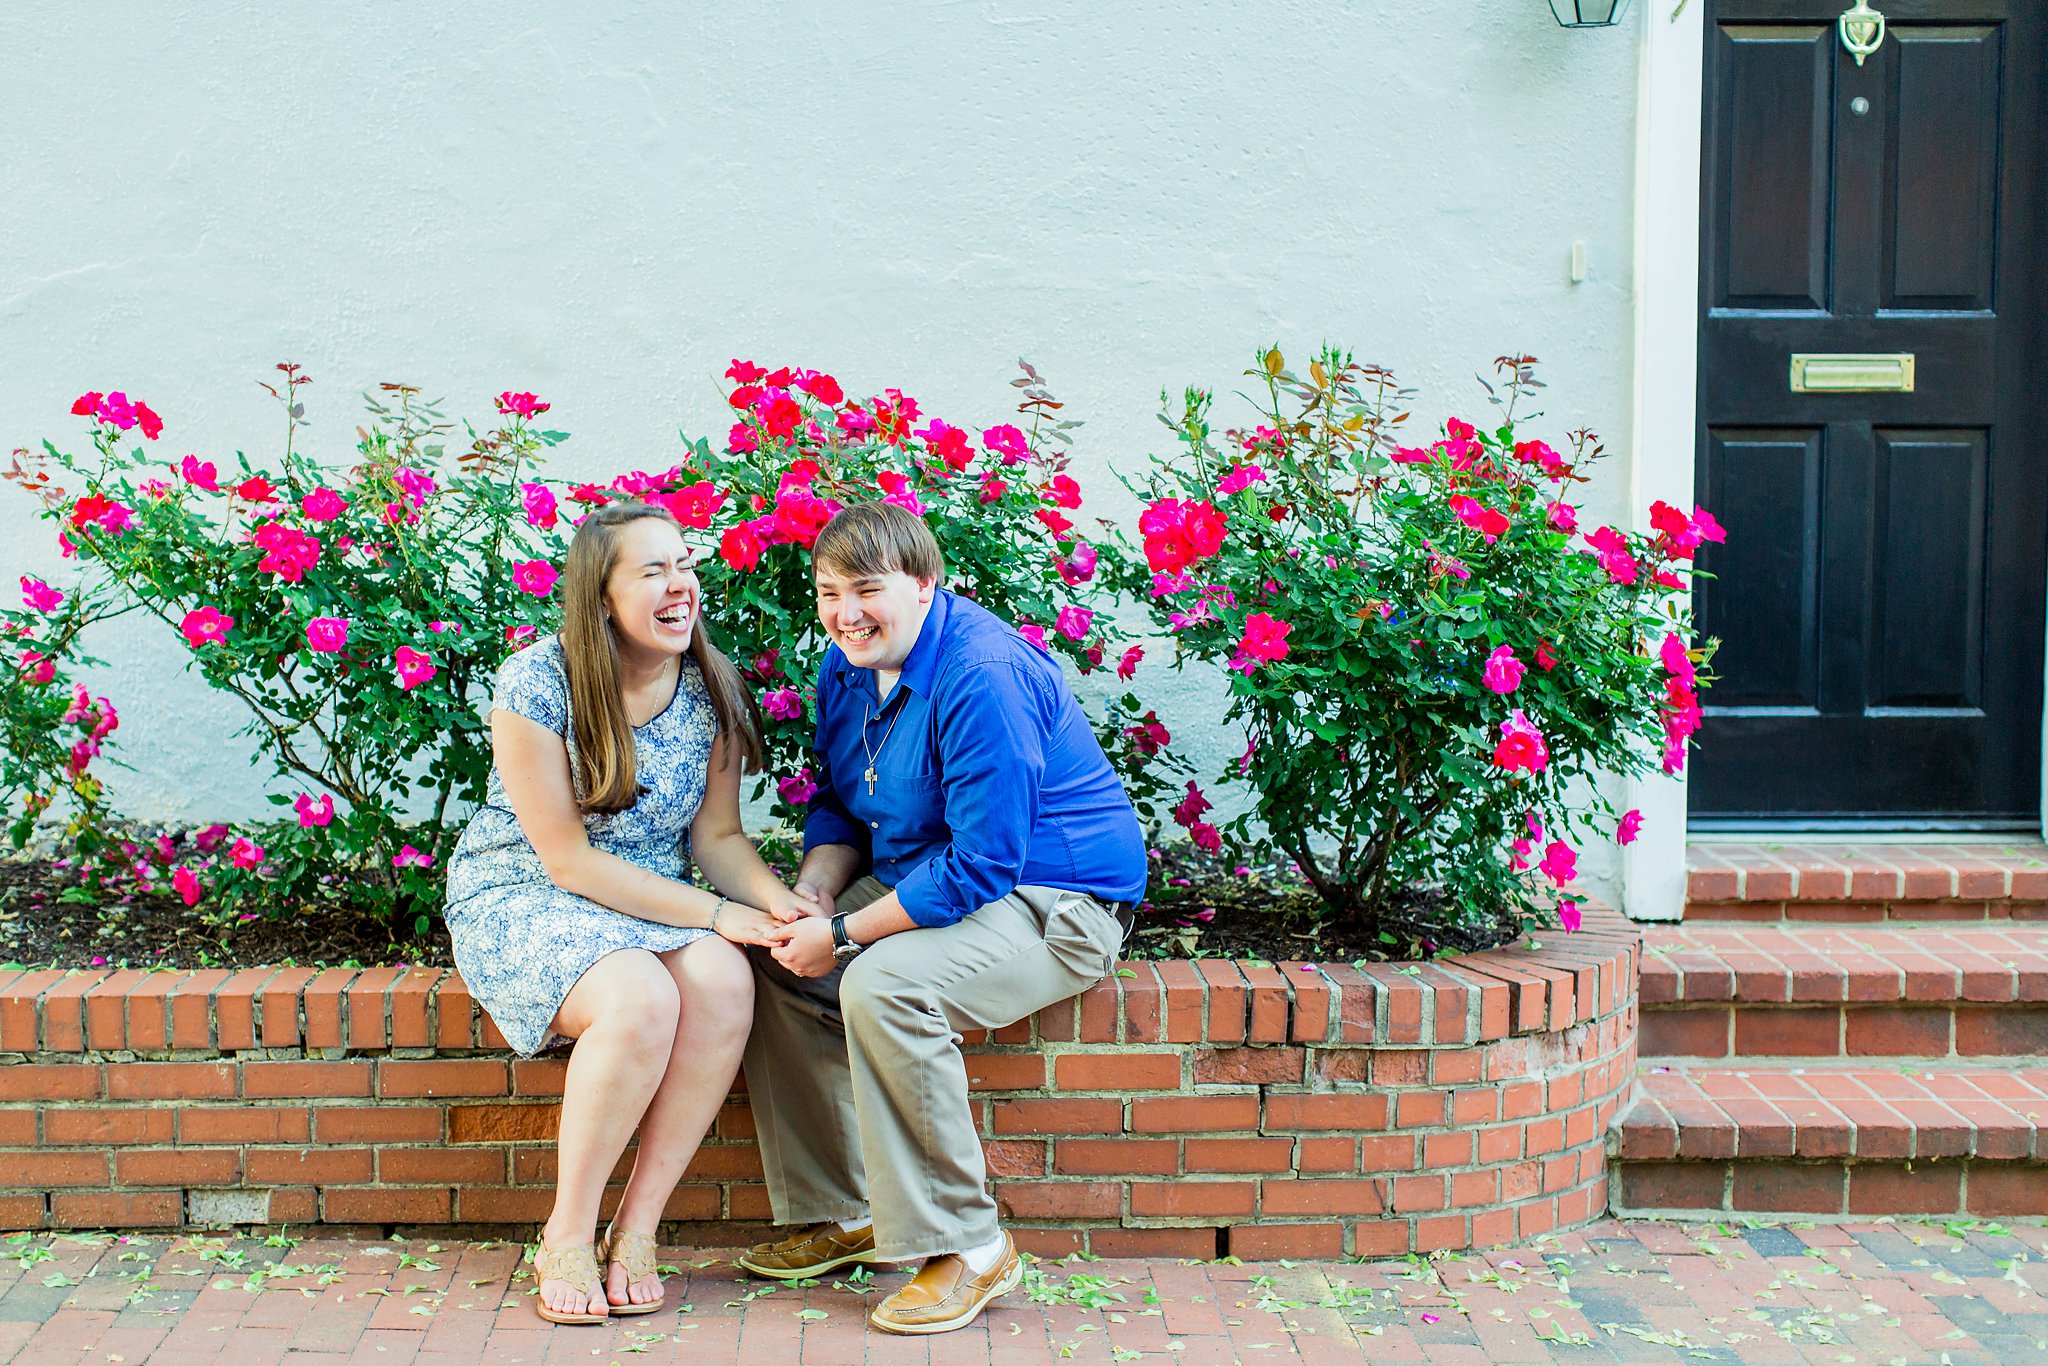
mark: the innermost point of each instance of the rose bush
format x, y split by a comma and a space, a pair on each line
998, 499
359, 615
1434, 660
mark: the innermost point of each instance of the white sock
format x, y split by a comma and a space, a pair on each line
980, 1259
855, 1225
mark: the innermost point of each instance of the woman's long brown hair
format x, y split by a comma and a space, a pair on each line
606, 777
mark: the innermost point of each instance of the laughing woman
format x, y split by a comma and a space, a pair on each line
617, 750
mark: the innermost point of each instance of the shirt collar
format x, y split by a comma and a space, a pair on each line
924, 656
923, 661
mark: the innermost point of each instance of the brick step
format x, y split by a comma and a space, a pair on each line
1717, 990
1818, 880
1834, 1139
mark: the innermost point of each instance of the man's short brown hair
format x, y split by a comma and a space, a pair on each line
868, 540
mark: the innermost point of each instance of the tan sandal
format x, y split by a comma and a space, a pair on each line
578, 1266
635, 1252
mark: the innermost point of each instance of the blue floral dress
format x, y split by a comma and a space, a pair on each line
520, 941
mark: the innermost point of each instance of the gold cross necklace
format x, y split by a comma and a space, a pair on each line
871, 753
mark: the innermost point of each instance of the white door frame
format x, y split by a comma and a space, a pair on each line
1667, 274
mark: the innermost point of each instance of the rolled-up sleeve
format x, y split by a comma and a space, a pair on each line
826, 819
991, 725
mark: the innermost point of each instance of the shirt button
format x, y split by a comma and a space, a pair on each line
874, 825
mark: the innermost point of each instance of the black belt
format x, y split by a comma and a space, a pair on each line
1125, 913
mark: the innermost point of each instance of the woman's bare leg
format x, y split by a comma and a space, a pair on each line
715, 986
622, 1014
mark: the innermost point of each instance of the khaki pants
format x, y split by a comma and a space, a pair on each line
856, 1079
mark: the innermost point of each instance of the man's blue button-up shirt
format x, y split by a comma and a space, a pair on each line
987, 773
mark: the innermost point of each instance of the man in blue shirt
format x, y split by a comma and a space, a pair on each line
972, 858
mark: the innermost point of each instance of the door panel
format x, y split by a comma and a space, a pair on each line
1880, 598
1930, 558
1942, 169
1774, 234
1764, 486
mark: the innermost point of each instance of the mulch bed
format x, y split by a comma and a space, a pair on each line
1200, 907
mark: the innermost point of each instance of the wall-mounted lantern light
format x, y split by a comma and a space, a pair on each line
1588, 13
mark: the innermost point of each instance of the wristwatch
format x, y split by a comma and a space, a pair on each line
843, 947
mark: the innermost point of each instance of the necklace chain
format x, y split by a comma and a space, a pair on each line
869, 775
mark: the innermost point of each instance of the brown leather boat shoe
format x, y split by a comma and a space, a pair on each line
944, 1296
811, 1251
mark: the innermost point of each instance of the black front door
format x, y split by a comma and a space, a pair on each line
1880, 598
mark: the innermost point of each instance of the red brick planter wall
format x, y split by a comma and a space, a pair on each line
1189, 1107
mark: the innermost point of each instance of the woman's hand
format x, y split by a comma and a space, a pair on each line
788, 906
745, 925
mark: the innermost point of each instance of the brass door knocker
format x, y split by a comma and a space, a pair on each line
1862, 30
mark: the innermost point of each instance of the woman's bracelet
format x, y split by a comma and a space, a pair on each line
714, 913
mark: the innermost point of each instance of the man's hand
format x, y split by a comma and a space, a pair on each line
816, 900
806, 948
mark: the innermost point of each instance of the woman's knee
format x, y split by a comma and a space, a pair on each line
631, 995
713, 978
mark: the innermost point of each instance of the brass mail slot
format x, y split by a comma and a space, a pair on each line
1840, 374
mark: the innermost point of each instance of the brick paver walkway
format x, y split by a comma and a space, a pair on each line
1633, 1292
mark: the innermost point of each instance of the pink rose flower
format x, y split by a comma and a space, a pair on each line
407, 856
246, 853
1240, 478
1128, 665
312, 813
896, 489
1560, 863
826, 390
1033, 633
1546, 658
1503, 671
1190, 808
539, 502
1063, 492
39, 596
535, 576
1488, 522
1078, 567
1007, 443
1177, 533
740, 547
1073, 622
414, 667
288, 552
798, 790
1675, 659
1631, 825
200, 474
414, 484
1563, 517
783, 704
519, 637
1264, 641
323, 505
1612, 549
992, 488
1568, 916
1521, 744
206, 626
327, 635
520, 405
186, 883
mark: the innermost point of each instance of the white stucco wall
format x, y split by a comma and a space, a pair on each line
469, 197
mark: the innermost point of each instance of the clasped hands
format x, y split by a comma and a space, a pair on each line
794, 927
